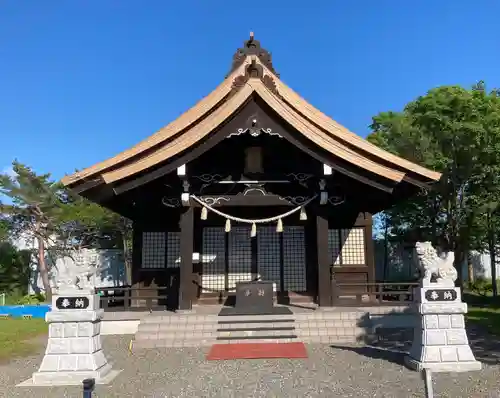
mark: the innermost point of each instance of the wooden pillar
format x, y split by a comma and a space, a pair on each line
136, 254
136, 281
198, 248
324, 278
369, 248
186, 272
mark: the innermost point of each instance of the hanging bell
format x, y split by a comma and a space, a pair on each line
279, 226
253, 232
204, 213
303, 214
228, 225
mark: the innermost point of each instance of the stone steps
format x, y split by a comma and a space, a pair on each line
252, 333
156, 327
276, 339
188, 330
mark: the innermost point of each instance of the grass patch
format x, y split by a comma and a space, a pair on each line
483, 310
15, 335
486, 317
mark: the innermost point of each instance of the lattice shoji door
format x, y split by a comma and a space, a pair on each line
240, 256
173, 249
153, 250
334, 246
269, 255
294, 259
347, 246
353, 248
213, 259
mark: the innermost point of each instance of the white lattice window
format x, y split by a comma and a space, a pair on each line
347, 246
153, 250
353, 247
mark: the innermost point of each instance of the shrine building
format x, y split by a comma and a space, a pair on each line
252, 183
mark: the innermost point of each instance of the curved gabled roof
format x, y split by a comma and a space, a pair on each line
183, 141
341, 133
253, 74
184, 121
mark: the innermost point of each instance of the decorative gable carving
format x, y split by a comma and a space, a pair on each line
252, 47
254, 70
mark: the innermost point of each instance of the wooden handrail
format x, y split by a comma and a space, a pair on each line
378, 293
120, 288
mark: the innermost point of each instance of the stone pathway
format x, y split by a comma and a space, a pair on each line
330, 371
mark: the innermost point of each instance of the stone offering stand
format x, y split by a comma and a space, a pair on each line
440, 342
74, 351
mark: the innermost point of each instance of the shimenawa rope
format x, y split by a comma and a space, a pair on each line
230, 218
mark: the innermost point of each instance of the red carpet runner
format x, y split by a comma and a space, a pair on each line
257, 351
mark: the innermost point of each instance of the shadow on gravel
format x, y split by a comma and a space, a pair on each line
486, 347
375, 353
390, 337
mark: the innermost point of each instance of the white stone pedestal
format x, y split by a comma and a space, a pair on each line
74, 350
440, 341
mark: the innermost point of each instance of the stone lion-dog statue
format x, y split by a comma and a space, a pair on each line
431, 264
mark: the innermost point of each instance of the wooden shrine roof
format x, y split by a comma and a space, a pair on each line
252, 74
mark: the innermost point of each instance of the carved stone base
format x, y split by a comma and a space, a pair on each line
440, 341
413, 364
72, 377
74, 351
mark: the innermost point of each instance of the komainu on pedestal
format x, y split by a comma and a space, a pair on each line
440, 341
74, 350
431, 265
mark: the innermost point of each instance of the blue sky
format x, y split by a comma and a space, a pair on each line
82, 80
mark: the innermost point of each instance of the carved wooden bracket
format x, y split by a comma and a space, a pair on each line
252, 47
254, 70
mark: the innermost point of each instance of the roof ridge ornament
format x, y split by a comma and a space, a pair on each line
253, 70
252, 47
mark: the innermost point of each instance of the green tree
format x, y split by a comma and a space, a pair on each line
85, 224
33, 211
14, 269
43, 210
457, 132
4, 229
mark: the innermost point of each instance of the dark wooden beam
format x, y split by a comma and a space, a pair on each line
251, 109
271, 119
324, 278
136, 253
417, 183
136, 258
85, 186
369, 248
186, 289
229, 127
334, 165
248, 200
99, 194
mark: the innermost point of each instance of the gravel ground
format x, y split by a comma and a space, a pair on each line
328, 372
